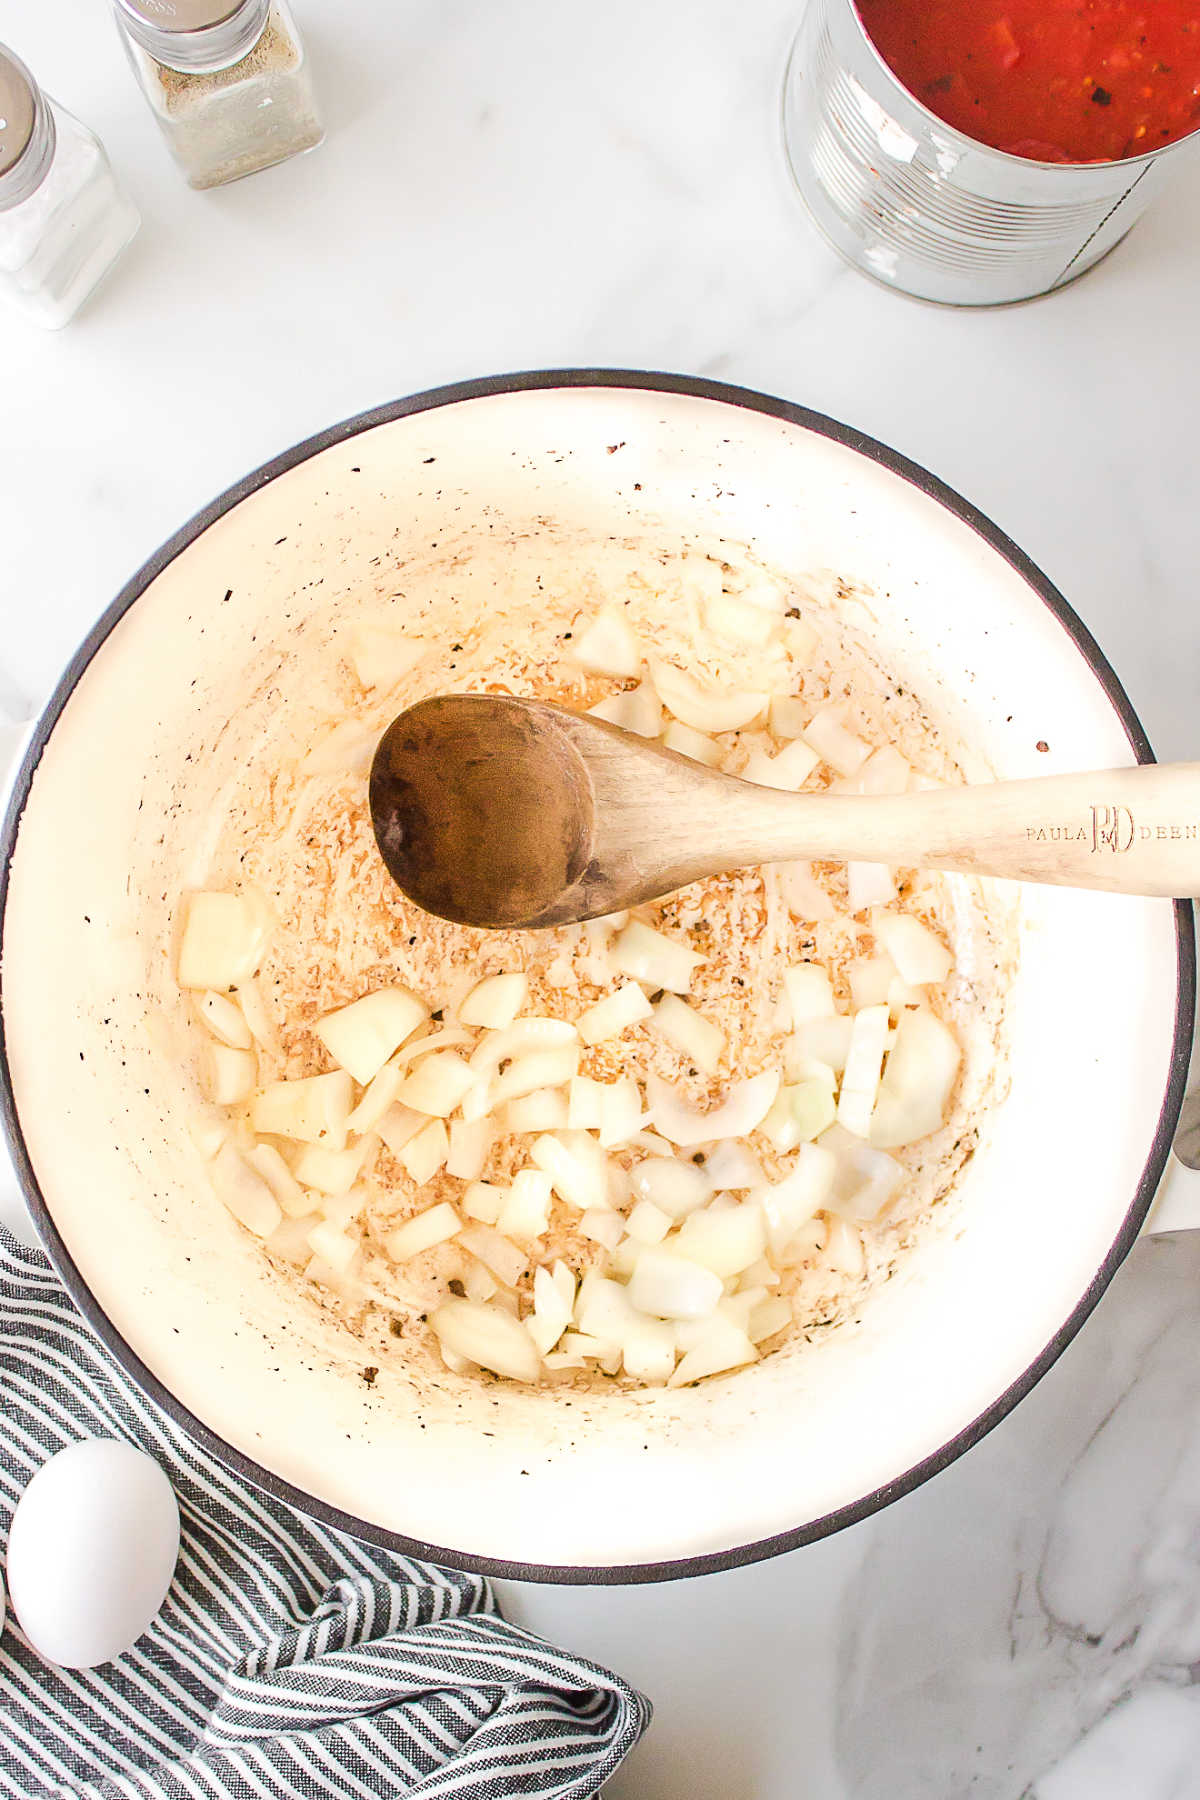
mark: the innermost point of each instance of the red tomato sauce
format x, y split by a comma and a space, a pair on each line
1055, 80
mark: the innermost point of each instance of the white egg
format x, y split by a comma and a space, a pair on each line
91, 1552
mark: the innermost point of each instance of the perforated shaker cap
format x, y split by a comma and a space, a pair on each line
195, 35
18, 109
182, 15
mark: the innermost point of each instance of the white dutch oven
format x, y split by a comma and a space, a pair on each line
107, 823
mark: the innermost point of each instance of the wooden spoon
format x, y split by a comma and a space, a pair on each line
506, 813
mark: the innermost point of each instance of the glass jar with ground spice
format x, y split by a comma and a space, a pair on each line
227, 80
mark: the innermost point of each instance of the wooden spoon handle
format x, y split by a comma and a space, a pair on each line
1130, 831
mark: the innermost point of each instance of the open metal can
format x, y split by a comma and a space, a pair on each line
910, 200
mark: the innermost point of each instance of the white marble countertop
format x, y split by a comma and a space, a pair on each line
527, 184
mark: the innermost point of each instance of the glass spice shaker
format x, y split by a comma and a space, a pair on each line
63, 218
227, 81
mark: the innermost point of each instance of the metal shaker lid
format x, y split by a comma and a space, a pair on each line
18, 109
182, 15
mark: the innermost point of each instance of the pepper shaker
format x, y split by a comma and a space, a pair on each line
227, 81
63, 218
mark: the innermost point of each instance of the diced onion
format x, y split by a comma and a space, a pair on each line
254, 1011
801, 639
478, 1283
603, 1309
382, 657
585, 1104
884, 772
602, 1226
803, 894
333, 1246
871, 981
399, 1125
487, 1336
762, 590
266, 1161
495, 1001
771, 1316
244, 1192
677, 1188
332, 1171
313, 1110
540, 1069
225, 1019
290, 1240
364, 1034
231, 1074
688, 1031
577, 1167
819, 1040
648, 1351
483, 1200
867, 1178
918, 953
671, 1287
636, 709
686, 742
730, 1165
652, 958
620, 1113
834, 743
470, 1145
746, 1105
725, 1240
498, 1254
788, 716
704, 708
869, 884
804, 1191
802, 1111
451, 1038
379, 1095
922, 1067
809, 993
788, 771
545, 1109
843, 1251
342, 749
223, 941
437, 1084
519, 1039
864, 1063
434, 1226
208, 1131
740, 621
648, 1224
607, 1018
608, 646
426, 1153
552, 1307
526, 1210
722, 1346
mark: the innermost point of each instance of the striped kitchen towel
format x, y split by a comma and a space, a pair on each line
289, 1660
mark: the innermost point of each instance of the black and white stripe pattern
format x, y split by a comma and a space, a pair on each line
289, 1660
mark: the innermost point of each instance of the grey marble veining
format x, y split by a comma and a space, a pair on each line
527, 184
1044, 1594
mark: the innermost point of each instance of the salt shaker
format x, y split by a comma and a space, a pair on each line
227, 80
63, 218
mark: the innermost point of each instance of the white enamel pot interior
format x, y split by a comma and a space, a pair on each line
110, 819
